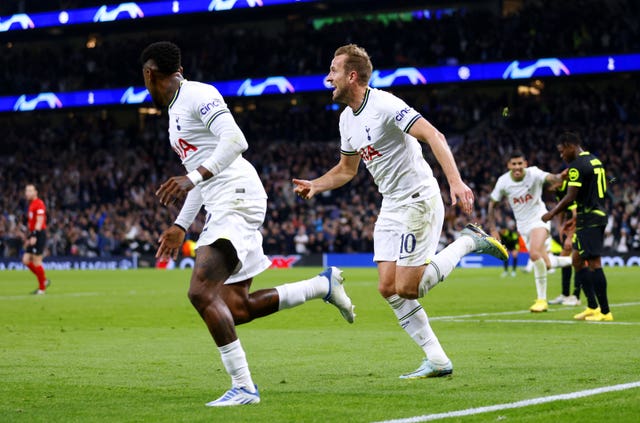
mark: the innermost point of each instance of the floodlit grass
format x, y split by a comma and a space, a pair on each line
126, 346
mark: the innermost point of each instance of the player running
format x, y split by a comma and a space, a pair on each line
229, 252
383, 131
522, 185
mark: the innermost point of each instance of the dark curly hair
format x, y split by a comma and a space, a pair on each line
165, 54
569, 138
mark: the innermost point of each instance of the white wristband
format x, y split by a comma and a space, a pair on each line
195, 177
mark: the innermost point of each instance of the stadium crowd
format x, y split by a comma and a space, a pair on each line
301, 45
98, 177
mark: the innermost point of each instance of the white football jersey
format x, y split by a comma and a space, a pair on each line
193, 137
525, 196
377, 131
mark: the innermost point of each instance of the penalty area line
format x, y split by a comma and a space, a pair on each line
517, 404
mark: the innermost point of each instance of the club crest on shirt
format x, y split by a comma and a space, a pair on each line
574, 174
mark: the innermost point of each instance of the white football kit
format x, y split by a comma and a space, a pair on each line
410, 221
234, 198
525, 199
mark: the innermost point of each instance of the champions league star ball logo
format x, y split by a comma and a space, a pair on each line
514, 71
24, 105
21, 19
412, 74
131, 97
229, 4
105, 15
280, 83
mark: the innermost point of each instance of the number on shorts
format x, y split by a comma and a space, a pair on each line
407, 243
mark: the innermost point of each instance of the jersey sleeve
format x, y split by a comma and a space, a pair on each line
396, 111
497, 193
209, 105
40, 209
190, 208
345, 146
540, 175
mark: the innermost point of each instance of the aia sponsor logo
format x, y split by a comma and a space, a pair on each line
368, 153
283, 262
523, 199
182, 148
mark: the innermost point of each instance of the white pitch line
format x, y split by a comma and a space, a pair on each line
71, 294
507, 313
564, 322
517, 404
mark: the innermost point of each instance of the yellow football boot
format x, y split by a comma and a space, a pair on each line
539, 306
599, 317
586, 313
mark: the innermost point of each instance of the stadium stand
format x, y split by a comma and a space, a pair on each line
97, 169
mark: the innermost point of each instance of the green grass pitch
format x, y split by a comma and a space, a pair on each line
126, 346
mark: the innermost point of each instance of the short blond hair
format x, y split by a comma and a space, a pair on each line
358, 60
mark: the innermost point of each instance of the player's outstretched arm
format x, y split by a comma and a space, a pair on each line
337, 176
554, 180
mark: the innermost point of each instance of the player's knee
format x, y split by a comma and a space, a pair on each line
407, 291
240, 315
386, 291
199, 299
535, 255
200, 275
25, 260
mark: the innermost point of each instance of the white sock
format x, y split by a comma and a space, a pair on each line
444, 262
559, 261
235, 362
540, 274
296, 293
415, 322
529, 267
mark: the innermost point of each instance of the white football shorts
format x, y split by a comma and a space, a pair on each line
239, 224
529, 226
409, 234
